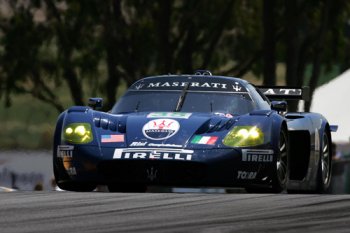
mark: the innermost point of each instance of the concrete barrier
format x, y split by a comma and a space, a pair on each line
26, 170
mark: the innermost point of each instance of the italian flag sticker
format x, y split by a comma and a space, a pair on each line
204, 140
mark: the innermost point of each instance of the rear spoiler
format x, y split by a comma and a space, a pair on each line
287, 93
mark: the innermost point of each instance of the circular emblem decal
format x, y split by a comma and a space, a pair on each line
160, 129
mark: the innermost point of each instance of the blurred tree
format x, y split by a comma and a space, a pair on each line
37, 53
269, 43
113, 27
320, 38
92, 46
190, 33
24, 67
312, 40
73, 24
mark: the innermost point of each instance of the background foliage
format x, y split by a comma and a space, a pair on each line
56, 53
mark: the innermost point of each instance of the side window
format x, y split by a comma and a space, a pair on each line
262, 102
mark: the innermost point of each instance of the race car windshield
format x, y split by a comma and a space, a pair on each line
166, 101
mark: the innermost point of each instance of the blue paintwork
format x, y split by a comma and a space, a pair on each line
218, 165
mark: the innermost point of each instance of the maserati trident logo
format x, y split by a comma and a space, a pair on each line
236, 87
152, 174
139, 86
160, 129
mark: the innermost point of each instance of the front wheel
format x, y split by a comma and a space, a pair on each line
281, 169
279, 181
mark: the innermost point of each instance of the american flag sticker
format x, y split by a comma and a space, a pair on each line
112, 138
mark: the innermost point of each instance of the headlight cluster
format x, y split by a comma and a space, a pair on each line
79, 133
242, 136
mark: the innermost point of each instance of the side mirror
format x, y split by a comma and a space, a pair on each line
95, 103
279, 106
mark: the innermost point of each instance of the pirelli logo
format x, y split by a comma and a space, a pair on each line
153, 153
258, 156
65, 151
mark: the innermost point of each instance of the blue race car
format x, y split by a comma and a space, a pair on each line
194, 131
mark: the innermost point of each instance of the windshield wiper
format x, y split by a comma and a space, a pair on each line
182, 97
137, 106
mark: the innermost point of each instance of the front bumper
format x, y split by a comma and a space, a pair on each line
165, 166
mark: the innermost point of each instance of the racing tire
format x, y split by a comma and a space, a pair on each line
127, 188
281, 170
324, 172
280, 180
72, 185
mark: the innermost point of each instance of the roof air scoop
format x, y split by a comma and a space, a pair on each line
202, 72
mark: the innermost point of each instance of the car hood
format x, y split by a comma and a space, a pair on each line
165, 129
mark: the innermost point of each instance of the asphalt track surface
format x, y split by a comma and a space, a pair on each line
172, 212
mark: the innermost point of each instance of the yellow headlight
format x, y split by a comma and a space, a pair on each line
243, 133
243, 136
78, 133
80, 130
69, 130
254, 133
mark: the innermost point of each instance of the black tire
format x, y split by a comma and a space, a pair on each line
281, 170
127, 188
324, 172
279, 182
68, 185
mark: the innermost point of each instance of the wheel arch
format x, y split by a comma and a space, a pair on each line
278, 124
57, 133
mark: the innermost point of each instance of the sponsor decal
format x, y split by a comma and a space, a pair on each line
259, 156
71, 171
192, 84
227, 115
244, 175
67, 162
64, 151
139, 86
208, 140
152, 174
160, 129
112, 138
68, 166
181, 115
282, 91
164, 145
153, 153
236, 87
138, 144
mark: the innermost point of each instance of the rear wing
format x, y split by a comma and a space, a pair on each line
287, 93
